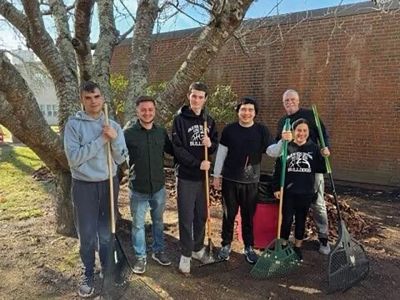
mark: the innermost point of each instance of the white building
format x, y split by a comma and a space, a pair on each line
39, 81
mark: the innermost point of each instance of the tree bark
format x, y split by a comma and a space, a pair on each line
146, 16
63, 203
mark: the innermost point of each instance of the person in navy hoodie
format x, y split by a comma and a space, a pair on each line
304, 159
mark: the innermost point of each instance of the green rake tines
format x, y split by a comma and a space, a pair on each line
275, 262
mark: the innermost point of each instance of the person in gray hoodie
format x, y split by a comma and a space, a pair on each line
85, 142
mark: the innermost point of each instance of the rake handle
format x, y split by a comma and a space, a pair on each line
286, 127
207, 188
327, 163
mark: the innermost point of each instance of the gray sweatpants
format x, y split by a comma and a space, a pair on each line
192, 213
319, 207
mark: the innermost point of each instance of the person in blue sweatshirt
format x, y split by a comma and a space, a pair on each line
304, 160
85, 142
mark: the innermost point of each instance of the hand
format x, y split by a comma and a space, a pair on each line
325, 152
217, 183
205, 165
109, 133
287, 136
277, 194
207, 141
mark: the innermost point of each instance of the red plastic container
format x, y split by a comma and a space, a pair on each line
265, 224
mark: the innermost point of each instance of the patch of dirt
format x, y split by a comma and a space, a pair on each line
37, 263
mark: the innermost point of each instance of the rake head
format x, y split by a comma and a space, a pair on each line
348, 262
276, 260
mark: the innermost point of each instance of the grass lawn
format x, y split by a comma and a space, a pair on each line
20, 195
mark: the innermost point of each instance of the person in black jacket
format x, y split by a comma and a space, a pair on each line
189, 143
147, 142
291, 103
304, 159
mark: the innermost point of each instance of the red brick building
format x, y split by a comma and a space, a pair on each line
347, 61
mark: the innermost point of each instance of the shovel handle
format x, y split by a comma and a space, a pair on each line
110, 177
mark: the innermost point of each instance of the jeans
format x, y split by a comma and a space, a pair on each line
319, 207
139, 207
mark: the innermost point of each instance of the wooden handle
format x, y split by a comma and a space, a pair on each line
110, 177
207, 188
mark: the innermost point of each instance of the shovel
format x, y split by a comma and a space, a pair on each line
348, 262
117, 259
279, 257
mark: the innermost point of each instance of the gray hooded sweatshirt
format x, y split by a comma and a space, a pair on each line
86, 148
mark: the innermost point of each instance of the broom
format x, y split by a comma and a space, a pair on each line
279, 258
348, 262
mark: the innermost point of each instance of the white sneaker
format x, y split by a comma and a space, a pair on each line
184, 265
324, 249
203, 256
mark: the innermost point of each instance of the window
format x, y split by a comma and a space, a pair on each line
55, 110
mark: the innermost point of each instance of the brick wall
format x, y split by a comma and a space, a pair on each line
349, 65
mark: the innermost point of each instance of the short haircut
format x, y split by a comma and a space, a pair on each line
300, 121
247, 100
292, 92
199, 86
88, 86
145, 98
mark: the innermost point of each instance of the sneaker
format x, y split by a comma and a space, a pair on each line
297, 250
140, 265
184, 265
250, 255
161, 258
86, 288
203, 256
224, 252
324, 247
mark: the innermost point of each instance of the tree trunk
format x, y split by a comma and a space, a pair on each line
63, 204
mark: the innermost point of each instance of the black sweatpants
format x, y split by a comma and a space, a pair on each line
192, 214
235, 195
91, 205
296, 205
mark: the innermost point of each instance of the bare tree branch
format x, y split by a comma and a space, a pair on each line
81, 41
124, 35
146, 16
27, 122
64, 44
14, 16
50, 11
105, 46
209, 43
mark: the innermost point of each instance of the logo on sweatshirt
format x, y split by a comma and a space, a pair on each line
196, 135
300, 162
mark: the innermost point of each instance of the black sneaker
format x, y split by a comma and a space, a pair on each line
86, 287
250, 255
140, 266
161, 258
297, 250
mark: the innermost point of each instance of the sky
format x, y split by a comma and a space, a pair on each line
259, 8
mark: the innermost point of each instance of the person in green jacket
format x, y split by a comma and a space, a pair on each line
147, 143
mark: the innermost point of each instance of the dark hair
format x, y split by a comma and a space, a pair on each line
88, 86
198, 86
300, 121
247, 100
145, 98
